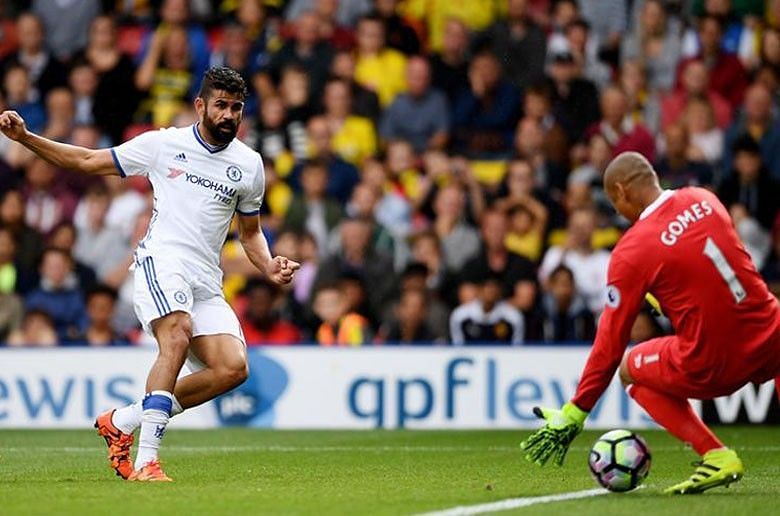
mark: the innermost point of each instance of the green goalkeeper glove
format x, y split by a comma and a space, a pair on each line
554, 438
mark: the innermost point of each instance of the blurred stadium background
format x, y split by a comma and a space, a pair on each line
434, 164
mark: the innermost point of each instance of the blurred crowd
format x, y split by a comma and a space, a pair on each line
435, 165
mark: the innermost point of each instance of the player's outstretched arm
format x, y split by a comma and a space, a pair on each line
88, 161
278, 269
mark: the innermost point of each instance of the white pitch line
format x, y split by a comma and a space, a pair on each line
515, 503
330, 449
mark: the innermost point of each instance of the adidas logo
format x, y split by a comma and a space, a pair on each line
180, 157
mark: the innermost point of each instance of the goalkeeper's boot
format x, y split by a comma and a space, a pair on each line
118, 442
152, 472
717, 468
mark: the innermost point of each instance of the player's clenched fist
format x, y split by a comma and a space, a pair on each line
281, 269
12, 125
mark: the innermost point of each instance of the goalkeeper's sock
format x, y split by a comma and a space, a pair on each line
128, 418
677, 416
157, 407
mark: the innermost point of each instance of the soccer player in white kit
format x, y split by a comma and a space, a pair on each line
201, 175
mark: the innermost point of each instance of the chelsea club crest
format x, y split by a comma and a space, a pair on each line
234, 173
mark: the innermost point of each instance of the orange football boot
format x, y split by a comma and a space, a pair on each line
118, 442
152, 472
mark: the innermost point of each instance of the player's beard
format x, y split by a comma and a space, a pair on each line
223, 132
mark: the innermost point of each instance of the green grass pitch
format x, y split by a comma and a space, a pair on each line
239, 471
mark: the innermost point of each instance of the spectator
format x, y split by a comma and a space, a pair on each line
421, 115
175, 16
63, 237
377, 67
365, 102
99, 246
750, 183
58, 294
11, 313
348, 13
494, 258
83, 83
644, 104
37, 330
520, 182
756, 239
459, 240
167, 75
358, 258
313, 210
305, 50
274, 136
706, 137
295, 91
622, 133
261, 31
608, 20
530, 147
8, 269
521, 43
599, 155
449, 66
417, 277
392, 210
29, 244
354, 137
363, 205
99, 332
655, 42
695, 79
577, 253
45, 72
771, 270
339, 326
261, 322
61, 113
676, 168
537, 105
575, 99
127, 203
47, 201
400, 35
408, 324
235, 52
567, 318
584, 48
66, 24
727, 75
487, 319
20, 98
331, 31
342, 176
527, 222
760, 122
485, 114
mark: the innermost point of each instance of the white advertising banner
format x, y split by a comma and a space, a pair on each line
309, 387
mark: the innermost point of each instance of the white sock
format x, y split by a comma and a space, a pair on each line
157, 407
128, 418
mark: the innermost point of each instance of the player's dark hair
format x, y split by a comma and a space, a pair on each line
224, 79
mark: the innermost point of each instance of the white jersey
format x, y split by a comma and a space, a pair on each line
197, 189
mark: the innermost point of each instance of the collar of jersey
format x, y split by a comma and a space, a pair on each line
655, 204
211, 148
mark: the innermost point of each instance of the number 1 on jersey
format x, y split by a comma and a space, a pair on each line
713, 252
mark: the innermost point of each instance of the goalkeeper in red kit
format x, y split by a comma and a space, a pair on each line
683, 249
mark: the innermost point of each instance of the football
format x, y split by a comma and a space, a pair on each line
619, 460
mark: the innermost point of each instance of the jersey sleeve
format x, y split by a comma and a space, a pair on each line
626, 287
136, 156
250, 202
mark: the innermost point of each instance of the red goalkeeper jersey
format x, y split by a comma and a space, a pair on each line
685, 251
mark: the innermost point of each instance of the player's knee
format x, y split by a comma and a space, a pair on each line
175, 334
623, 372
234, 374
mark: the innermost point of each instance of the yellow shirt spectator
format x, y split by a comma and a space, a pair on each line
384, 73
355, 139
476, 14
